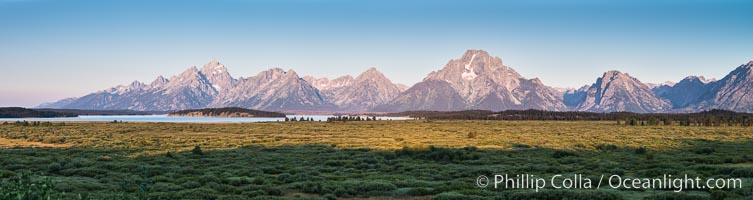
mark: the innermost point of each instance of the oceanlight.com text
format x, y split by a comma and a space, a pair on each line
579, 181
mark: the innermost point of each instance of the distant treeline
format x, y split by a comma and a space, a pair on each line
333, 119
33, 123
101, 112
18, 112
704, 118
228, 112
350, 118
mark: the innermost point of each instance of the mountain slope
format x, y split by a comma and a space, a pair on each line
216, 73
474, 81
189, 90
481, 82
324, 84
616, 91
426, 95
685, 93
733, 92
362, 93
274, 89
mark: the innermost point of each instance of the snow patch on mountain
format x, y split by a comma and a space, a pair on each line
468, 74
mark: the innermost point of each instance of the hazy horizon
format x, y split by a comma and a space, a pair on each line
53, 50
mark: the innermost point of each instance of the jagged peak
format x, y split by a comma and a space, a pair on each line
346, 77
291, 72
477, 52
278, 72
136, 83
192, 69
275, 70
325, 79
120, 89
748, 67
695, 78
473, 64
667, 83
612, 73
615, 74
471, 55
160, 80
191, 73
580, 89
537, 81
744, 69
316, 82
372, 70
371, 73
213, 67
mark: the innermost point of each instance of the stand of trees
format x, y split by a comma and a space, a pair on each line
350, 118
227, 112
705, 118
302, 119
18, 112
33, 123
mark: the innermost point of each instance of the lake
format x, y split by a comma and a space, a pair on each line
165, 118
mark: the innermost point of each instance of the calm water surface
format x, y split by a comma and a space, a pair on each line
165, 118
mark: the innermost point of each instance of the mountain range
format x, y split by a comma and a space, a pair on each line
476, 80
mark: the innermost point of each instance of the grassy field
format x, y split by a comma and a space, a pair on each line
366, 159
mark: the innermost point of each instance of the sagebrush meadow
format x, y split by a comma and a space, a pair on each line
364, 159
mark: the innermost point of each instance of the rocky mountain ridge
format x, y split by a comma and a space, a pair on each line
476, 80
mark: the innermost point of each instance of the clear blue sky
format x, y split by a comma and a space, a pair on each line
55, 49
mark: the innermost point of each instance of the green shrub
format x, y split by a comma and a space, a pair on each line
84, 171
419, 192
197, 150
209, 179
742, 172
237, 181
375, 186
641, 150
329, 197
166, 187
472, 135
54, 167
254, 193
607, 147
191, 185
455, 196
6, 173
562, 154
676, 196
439, 154
199, 193
704, 150
562, 194
273, 191
104, 158
311, 187
258, 181
24, 187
